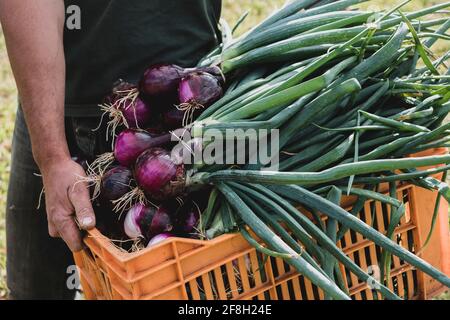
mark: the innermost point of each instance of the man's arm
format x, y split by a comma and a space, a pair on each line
34, 38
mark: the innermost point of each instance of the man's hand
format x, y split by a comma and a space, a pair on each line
67, 201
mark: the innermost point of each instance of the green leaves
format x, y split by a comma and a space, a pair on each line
419, 46
348, 119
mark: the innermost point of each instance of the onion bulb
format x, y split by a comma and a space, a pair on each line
158, 175
116, 182
159, 238
131, 143
147, 221
199, 89
161, 80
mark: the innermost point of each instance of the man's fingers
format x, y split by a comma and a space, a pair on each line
80, 199
69, 231
52, 230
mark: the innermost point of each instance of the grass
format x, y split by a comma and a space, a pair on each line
233, 9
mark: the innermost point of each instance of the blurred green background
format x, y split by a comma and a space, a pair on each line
233, 9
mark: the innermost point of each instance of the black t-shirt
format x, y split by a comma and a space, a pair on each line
118, 39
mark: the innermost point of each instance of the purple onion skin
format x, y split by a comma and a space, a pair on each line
199, 88
173, 119
145, 217
187, 222
161, 80
116, 182
156, 126
131, 143
138, 114
161, 222
159, 238
158, 175
186, 217
138, 221
215, 72
147, 221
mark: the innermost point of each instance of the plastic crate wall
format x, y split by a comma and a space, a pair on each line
229, 268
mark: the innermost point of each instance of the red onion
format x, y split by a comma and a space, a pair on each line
131, 143
161, 222
125, 105
159, 238
162, 79
145, 221
186, 214
186, 219
136, 112
116, 182
138, 220
120, 88
173, 118
215, 71
199, 89
158, 175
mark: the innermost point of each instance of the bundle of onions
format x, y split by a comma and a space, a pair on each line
130, 109
134, 106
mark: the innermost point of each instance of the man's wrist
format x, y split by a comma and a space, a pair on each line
51, 160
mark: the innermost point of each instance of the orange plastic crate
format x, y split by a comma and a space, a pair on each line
229, 268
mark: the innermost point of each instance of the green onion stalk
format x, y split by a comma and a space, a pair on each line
347, 123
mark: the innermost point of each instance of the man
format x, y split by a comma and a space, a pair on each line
63, 70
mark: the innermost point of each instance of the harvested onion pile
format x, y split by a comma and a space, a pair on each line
140, 175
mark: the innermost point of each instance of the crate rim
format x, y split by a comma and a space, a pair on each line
124, 257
